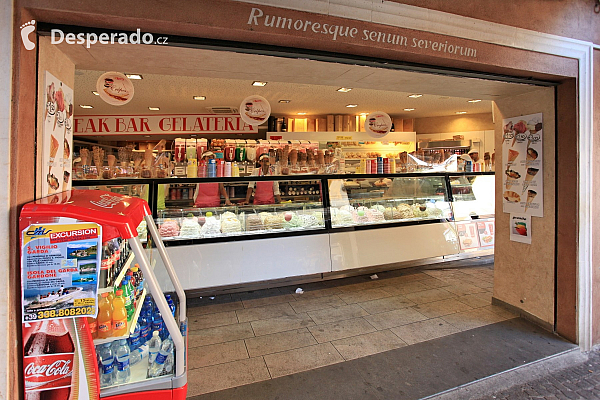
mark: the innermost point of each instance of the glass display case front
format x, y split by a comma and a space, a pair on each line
368, 201
224, 211
473, 196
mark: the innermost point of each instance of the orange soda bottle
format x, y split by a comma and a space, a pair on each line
119, 315
105, 326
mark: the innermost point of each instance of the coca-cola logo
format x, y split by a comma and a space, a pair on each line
57, 368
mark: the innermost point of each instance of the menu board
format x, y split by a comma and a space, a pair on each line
57, 136
486, 232
60, 264
468, 236
522, 161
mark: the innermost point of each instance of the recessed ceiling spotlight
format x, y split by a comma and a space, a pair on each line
147, 136
363, 114
351, 105
344, 89
259, 83
85, 106
199, 97
409, 109
95, 93
284, 101
415, 95
154, 108
134, 76
461, 112
193, 135
301, 113
473, 101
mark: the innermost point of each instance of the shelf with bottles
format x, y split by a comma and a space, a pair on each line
130, 323
120, 276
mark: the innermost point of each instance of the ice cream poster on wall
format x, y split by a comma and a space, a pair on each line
57, 136
467, 235
520, 228
522, 160
60, 265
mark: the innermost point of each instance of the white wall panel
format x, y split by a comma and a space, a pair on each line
218, 264
391, 245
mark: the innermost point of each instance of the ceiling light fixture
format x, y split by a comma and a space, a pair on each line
134, 76
409, 109
461, 112
147, 136
351, 105
85, 106
284, 101
473, 101
259, 83
344, 89
301, 113
415, 95
363, 114
154, 108
95, 93
199, 97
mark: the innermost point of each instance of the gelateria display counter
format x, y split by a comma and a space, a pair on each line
311, 226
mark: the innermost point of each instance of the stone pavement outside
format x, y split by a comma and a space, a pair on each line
581, 381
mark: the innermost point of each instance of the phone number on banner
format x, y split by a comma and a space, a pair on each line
64, 312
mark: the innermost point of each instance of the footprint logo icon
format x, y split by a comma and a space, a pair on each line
26, 29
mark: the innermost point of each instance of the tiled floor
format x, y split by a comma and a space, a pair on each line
254, 336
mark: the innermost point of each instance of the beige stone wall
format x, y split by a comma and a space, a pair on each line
523, 273
454, 123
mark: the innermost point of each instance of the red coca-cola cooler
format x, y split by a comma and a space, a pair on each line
75, 246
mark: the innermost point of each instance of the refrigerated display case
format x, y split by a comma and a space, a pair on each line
349, 222
118, 217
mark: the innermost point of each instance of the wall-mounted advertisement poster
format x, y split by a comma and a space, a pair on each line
522, 160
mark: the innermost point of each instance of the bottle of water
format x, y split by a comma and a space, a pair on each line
138, 355
157, 324
153, 347
123, 371
157, 367
171, 303
134, 338
145, 326
107, 360
114, 346
169, 364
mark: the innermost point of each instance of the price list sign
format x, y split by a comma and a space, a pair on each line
60, 264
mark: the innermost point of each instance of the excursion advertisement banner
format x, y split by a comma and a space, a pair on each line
60, 264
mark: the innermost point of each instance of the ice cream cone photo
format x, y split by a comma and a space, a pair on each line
531, 173
530, 196
512, 156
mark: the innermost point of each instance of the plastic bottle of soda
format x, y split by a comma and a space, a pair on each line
123, 371
127, 298
119, 315
93, 324
132, 282
132, 293
153, 347
105, 326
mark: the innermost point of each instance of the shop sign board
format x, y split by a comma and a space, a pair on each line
115, 88
57, 136
378, 124
165, 124
255, 110
60, 264
522, 165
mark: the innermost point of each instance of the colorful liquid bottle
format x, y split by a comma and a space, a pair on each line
105, 326
119, 315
